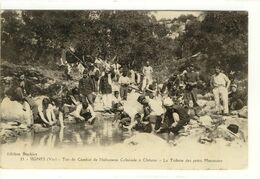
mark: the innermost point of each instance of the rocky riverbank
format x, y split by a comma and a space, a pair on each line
208, 129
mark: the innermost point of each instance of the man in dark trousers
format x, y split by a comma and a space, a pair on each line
175, 118
106, 91
191, 79
87, 88
172, 85
235, 98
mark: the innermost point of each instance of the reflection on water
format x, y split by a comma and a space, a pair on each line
101, 133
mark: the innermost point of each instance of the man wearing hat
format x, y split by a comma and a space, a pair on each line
175, 117
87, 88
220, 83
235, 98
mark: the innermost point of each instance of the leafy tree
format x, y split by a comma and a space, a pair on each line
133, 36
221, 36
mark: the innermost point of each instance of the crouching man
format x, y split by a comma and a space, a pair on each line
152, 111
121, 116
116, 100
87, 113
235, 99
141, 124
141, 118
156, 111
46, 116
175, 118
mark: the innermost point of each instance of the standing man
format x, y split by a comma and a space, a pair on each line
147, 72
124, 83
175, 117
172, 86
116, 66
87, 88
94, 74
220, 83
106, 91
132, 75
191, 79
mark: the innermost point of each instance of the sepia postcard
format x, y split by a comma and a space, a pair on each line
124, 89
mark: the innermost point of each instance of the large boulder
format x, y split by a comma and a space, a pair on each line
13, 111
243, 112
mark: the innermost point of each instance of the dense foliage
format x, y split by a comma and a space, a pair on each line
38, 37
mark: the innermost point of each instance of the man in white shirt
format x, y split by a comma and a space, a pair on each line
132, 76
116, 66
147, 72
46, 115
220, 84
156, 113
115, 99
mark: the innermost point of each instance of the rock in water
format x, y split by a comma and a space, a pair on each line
13, 111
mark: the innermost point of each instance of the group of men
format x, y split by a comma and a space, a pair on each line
186, 85
161, 108
231, 100
162, 112
111, 79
